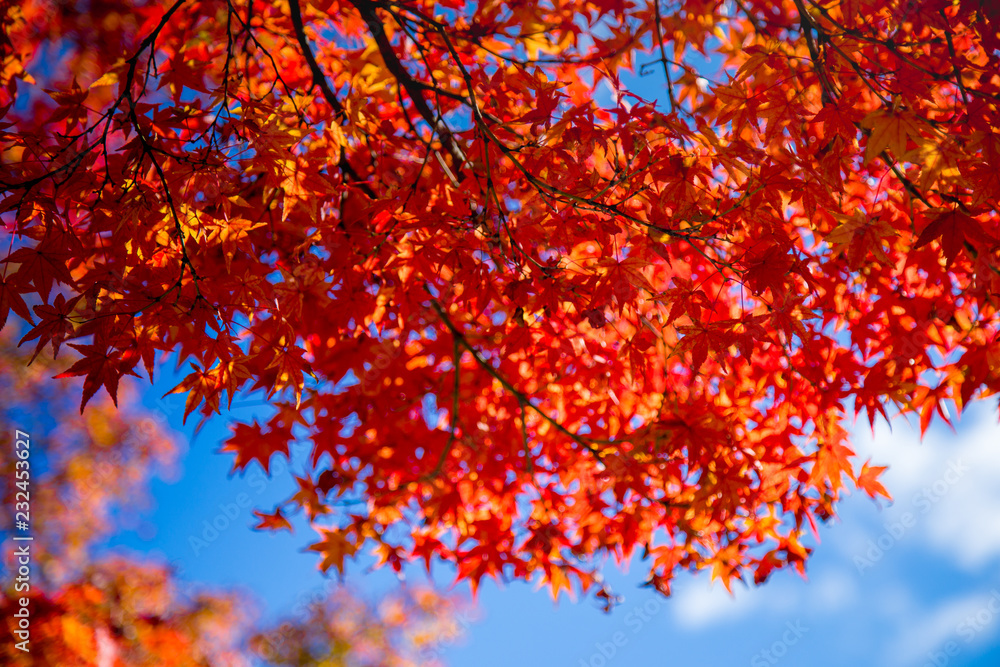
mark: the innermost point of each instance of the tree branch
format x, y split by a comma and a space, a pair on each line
319, 79
519, 395
414, 89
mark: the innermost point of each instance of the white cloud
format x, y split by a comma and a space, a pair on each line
949, 482
920, 634
966, 525
700, 604
832, 591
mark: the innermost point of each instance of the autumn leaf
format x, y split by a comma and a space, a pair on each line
11, 300
274, 522
100, 367
951, 229
868, 481
334, 547
42, 266
54, 325
889, 130
832, 463
860, 236
255, 442
202, 385
558, 581
308, 497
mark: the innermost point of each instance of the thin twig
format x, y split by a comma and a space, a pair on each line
587, 443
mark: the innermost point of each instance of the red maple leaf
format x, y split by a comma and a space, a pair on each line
274, 522
101, 365
254, 442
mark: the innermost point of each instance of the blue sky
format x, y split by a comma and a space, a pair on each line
913, 582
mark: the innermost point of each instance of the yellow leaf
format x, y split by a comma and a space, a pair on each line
339, 140
890, 130
844, 233
108, 79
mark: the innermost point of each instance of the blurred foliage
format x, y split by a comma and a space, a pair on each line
89, 475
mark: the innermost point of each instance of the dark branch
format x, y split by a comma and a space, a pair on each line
414, 89
319, 79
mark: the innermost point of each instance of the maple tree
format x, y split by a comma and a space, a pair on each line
529, 319
89, 607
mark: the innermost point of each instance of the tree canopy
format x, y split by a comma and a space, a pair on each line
528, 318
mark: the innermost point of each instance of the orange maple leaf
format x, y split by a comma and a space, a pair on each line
868, 480
335, 547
